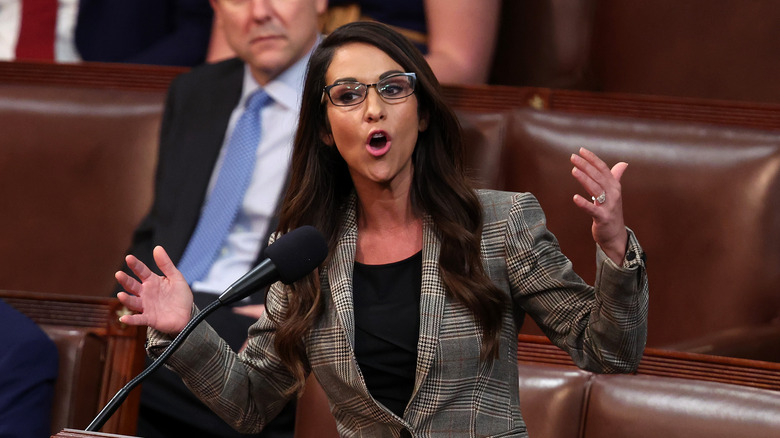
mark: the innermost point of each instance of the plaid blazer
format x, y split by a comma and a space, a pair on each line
603, 328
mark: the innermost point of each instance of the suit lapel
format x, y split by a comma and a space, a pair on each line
432, 302
340, 273
432, 294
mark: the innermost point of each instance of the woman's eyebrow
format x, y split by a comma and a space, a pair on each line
382, 76
389, 73
345, 80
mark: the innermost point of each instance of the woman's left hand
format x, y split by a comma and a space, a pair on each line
606, 203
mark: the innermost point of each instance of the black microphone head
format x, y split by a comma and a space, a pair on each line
297, 253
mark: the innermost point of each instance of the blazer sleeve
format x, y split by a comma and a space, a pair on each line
247, 389
602, 327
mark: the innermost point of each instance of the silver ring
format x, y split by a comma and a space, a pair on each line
602, 198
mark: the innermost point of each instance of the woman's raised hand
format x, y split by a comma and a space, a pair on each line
162, 303
606, 203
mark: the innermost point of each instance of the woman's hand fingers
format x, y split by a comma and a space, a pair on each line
134, 319
161, 302
139, 268
618, 170
166, 265
595, 176
132, 302
128, 283
605, 205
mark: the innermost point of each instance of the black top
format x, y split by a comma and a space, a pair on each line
387, 326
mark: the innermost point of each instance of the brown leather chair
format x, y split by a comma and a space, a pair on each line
484, 137
560, 402
77, 391
97, 356
702, 200
651, 407
312, 413
548, 393
77, 170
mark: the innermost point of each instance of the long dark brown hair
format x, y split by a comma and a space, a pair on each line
320, 185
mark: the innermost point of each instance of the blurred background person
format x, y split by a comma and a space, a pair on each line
28, 372
204, 113
160, 32
38, 30
458, 37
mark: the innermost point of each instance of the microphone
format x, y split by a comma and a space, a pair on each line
290, 258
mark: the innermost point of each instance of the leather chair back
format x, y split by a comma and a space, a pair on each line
81, 363
552, 392
97, 357
77, 170
484, 137
651, 407
564, 402
702, 199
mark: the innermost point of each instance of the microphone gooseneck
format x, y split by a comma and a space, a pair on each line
290, 258
122, 394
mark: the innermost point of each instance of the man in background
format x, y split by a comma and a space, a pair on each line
212, 113
159, 32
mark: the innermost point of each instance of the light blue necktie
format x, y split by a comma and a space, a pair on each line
227, 194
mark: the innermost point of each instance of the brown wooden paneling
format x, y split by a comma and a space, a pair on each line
90, 74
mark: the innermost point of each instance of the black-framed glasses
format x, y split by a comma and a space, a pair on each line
348, 93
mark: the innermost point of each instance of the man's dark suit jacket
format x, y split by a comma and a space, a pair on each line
196, 117
197, 112
28, 370
161, 32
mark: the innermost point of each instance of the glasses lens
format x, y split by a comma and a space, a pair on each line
352, 93
396, 87
347, 93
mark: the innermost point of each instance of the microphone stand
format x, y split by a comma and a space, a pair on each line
311, 255
120, 396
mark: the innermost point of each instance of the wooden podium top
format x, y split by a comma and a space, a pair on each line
73, 433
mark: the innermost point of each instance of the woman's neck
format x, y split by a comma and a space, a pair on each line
389, 228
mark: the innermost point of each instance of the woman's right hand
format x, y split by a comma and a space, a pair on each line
162, 303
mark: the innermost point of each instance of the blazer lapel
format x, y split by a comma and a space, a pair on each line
432, 302
432, 295
340, 273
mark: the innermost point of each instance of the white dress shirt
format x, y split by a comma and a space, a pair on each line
278, 121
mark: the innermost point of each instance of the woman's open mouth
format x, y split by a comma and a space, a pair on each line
378, 143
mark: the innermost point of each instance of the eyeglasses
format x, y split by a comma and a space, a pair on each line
348, 93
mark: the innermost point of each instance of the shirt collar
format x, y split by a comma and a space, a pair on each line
285, 89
